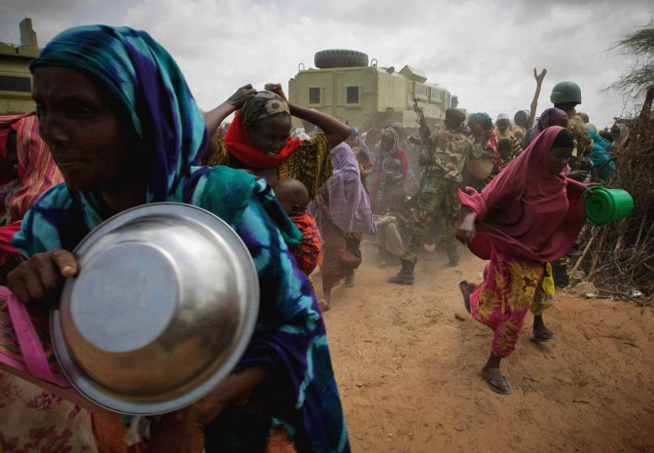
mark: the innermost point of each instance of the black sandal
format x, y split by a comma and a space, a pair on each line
465, 290
544, 336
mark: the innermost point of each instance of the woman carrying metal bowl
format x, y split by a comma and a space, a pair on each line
125, 130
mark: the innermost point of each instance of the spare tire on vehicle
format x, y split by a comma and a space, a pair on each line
339, 58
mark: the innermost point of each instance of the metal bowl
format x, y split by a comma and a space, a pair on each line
163, 308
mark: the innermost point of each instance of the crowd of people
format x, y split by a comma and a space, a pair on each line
119, 126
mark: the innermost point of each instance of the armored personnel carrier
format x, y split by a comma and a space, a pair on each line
345, 86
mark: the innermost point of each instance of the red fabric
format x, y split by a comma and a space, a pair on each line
526, 211
490, 146
6, 235
37, 170
506, 279
307, 253
6, 169
238, 144
401, 155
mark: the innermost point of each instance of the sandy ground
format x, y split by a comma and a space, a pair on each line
407, 360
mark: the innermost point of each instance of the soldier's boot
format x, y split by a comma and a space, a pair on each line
452, 254
405, 276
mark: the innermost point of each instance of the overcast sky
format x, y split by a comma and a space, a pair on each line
483, 51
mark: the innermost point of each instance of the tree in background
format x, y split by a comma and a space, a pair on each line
619, 257
640, 43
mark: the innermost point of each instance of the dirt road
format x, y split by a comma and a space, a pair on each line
407, 360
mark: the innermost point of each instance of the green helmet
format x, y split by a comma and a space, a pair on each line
565, 92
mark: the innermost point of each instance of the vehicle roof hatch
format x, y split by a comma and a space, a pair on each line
415, 74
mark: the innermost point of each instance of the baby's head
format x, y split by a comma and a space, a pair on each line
505, 148
395, 169
292, 195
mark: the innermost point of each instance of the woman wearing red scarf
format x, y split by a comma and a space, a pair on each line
528, 215
258, 139
27, 169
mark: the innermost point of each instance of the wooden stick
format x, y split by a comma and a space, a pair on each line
620, 232
596, 257
640, 262
649, 232
618, 293
583, 255
640, 231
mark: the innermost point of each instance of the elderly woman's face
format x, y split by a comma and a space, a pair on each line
82, 130
269, 135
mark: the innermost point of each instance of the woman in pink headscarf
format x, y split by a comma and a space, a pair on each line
528, 215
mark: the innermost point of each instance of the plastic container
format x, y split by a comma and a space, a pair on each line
607, 205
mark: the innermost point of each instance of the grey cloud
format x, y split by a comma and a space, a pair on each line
18, 9
482, 50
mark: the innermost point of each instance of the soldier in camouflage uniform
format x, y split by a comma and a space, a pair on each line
443, 158
566, 96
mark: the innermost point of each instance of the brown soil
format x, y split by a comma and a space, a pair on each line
407, 361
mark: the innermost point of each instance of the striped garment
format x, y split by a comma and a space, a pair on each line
35, 172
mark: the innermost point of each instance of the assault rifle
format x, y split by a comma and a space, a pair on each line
424, 127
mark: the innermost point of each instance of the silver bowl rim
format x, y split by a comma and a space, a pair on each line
85, 384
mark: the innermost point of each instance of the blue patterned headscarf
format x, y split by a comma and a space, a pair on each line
147, 82
482, 118
290, 338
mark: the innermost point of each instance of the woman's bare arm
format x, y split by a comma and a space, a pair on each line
534, 102
183, 430
215, 117
336, 130
466, 230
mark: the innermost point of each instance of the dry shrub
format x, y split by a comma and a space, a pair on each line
621, 254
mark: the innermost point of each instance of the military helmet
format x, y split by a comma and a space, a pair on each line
566, 92
454, 115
